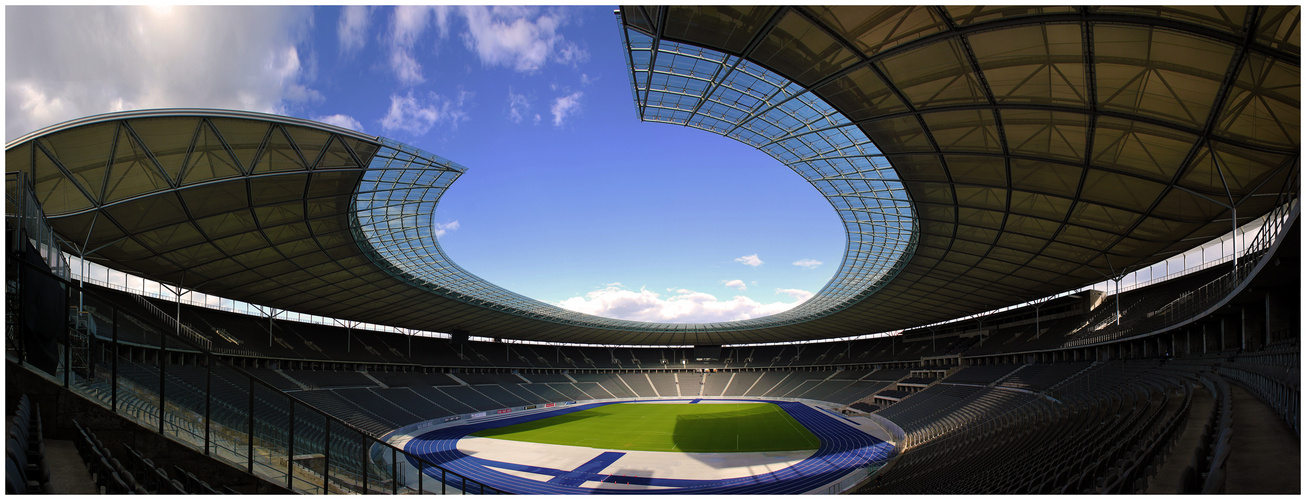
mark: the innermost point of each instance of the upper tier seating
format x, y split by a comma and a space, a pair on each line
981, 375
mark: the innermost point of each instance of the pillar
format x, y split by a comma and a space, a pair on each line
1242, 328
1224, 330
1203, 338
1270, 320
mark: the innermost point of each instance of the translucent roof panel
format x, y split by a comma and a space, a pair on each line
977, 156
1041, 148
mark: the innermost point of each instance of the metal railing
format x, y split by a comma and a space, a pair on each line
195, 337
24, 219
138, 367
1196, 302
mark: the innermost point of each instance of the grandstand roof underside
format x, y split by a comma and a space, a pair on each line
1043, 148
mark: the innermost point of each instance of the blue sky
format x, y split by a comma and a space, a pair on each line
568, 198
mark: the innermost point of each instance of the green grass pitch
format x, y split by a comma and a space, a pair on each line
696, 428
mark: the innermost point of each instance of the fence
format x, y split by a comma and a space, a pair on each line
1196, 302
140, 368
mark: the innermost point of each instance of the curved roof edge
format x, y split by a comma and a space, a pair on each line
394, 210
175, 112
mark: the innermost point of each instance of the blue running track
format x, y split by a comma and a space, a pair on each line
843, 449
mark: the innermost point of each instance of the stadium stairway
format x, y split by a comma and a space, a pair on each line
1005, 377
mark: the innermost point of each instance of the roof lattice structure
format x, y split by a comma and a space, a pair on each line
978, 157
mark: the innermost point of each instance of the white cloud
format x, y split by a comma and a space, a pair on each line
340, 120
565, 106
442, 19
737, 284
801, 295
518, 106
407, 69
508, 36
808, 263
407, 24
749, 260
287, 69
352, 28
685, 306
68, 62
442, 229
417, 115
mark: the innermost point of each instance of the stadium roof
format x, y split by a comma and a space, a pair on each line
979, 157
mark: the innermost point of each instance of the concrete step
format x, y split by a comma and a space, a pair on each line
68, 476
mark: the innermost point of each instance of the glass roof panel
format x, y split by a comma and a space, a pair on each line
1263, 106
132, 172
147, 213
167, 139
215, 198
1227, 18
1035, 64
1003, 89
1159, 79
243, 138
53, 189
861, 94
965, 131
308, 141
1280, 28
937, 74
1046, 134
82, 152
872, 28
801, 50
967, 15
1140, 148
209, 158
279, 154
399, 190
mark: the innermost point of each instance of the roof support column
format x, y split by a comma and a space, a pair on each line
177, 291
1036, 314
81, 257
349, 331
271, 313
1118, 279
1233, 207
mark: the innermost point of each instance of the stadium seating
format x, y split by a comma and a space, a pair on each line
1011, 411
664, 384
1099, 440
982, 375
26, 470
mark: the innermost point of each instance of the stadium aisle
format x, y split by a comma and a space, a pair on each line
68, 475
1166, 481
1266, 454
